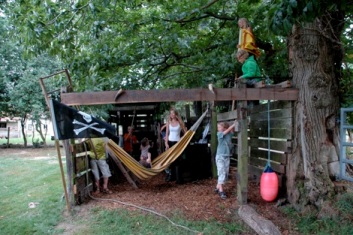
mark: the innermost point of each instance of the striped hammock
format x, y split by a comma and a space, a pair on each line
159, 164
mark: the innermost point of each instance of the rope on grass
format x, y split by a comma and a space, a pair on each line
148, 210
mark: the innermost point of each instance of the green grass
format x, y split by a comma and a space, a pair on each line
121, 221
26, 180
339, 224
16, 141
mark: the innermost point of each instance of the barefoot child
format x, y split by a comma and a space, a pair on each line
224, 136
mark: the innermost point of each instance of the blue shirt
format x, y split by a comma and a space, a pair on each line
224, 144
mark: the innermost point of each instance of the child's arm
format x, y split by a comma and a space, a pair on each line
230, 128
163, 127
166, 136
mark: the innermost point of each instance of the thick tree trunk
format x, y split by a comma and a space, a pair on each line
314, 55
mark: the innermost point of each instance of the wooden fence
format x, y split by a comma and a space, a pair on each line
280, 135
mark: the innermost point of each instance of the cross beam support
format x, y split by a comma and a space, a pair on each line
170, 95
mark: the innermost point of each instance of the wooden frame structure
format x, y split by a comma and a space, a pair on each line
242, 95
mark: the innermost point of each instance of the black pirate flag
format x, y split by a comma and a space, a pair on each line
70, 123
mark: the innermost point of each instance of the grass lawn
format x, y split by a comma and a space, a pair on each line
32, 176
36, 179
28, 180
19, 141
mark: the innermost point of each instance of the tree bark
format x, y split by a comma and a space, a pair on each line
23, 121
315, 55
40, 131
258, 223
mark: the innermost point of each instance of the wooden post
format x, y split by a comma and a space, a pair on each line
69, 173
123, 170
242, 170
187, 112
213, 138
62, 175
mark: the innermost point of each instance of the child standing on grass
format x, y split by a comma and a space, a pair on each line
224, 136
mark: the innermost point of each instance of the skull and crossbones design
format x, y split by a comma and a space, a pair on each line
88, 125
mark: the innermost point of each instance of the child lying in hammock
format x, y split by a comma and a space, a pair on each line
145, 158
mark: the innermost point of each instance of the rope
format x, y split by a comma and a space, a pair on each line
268, 135
148, 210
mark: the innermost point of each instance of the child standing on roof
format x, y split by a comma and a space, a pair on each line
145, 158
223, 154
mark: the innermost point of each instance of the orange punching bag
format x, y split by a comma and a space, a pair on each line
269, 184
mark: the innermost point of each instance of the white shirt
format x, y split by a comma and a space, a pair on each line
174, 132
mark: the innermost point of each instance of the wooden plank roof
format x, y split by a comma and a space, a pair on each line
170, 95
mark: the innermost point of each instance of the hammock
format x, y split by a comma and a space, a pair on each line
159, 164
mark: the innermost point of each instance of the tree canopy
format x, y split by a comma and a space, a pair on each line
143, 44
138, 44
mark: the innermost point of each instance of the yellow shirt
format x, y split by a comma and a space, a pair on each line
99, 146
247, 42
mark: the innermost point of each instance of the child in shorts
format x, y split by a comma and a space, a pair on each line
223, 154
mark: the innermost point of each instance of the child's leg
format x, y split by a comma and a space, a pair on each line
226, 167
221, 170
149, 158
95, 171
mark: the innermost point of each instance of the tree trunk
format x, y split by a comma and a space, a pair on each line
315, 56
40, 131
23, 121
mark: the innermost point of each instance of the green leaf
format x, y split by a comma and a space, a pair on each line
293, 3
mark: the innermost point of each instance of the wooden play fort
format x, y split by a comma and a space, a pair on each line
251, 141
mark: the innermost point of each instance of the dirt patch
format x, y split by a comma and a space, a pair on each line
195, 200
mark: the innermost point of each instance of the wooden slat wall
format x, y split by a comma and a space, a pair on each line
83, 181
281, 132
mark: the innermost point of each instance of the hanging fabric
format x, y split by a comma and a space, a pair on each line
159, 164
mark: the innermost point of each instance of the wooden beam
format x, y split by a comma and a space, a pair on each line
284, 84
260, 84
170, 95
243, 154
232, 115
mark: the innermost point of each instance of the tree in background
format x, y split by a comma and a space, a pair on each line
139, 44
21, 95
